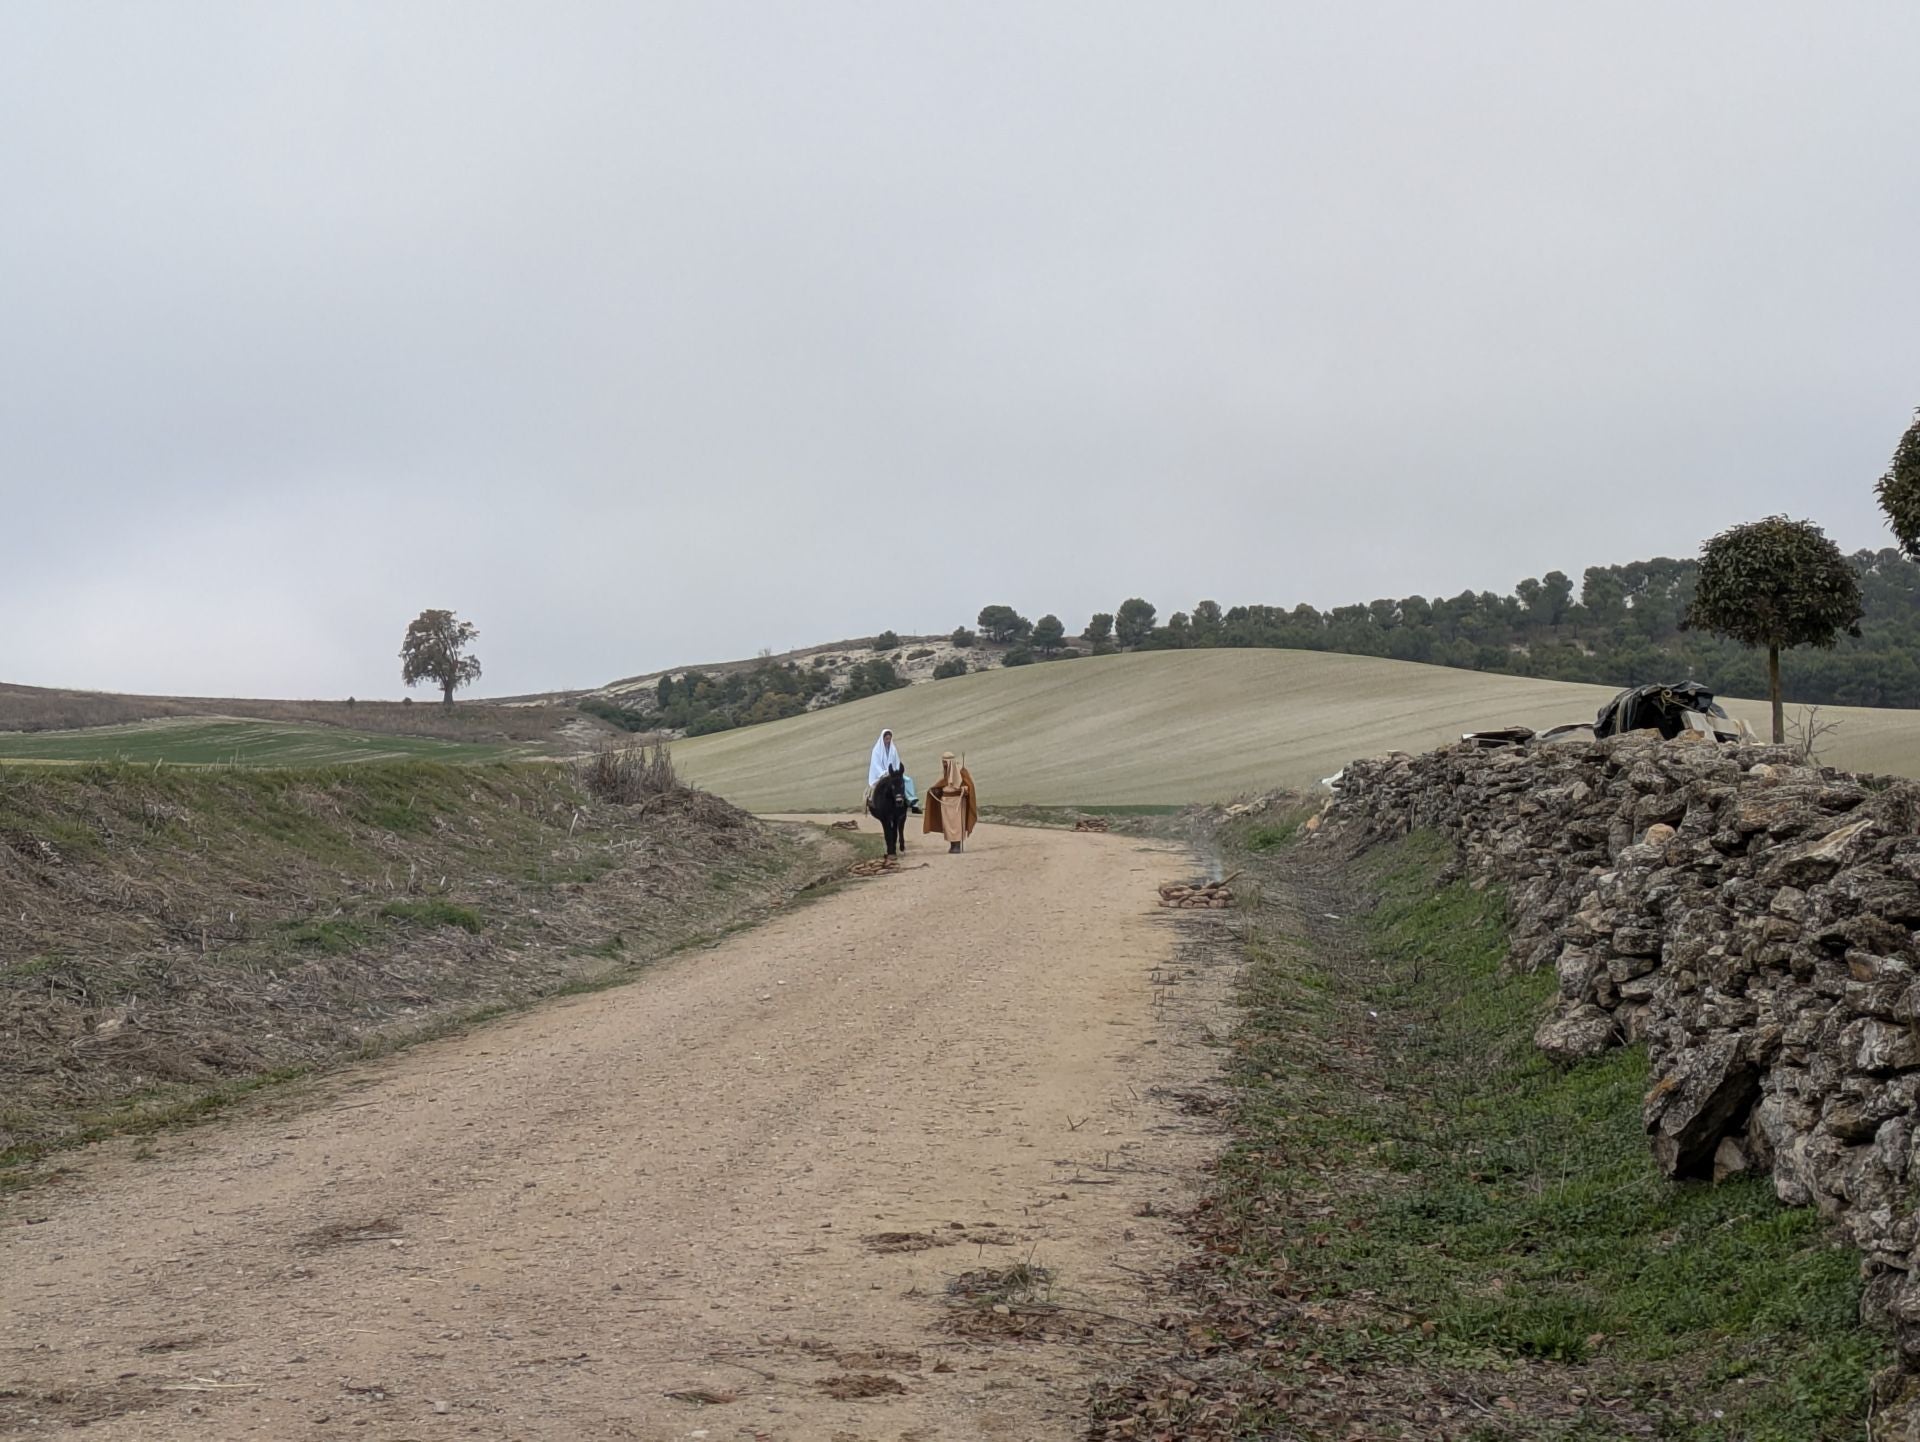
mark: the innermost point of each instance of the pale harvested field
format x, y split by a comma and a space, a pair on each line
1173, 727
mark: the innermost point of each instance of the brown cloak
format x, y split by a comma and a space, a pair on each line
952, 798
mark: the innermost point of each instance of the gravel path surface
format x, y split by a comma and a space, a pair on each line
748, 1179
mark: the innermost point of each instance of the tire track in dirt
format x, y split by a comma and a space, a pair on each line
725, 1201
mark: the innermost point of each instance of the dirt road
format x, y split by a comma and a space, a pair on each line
748, 1178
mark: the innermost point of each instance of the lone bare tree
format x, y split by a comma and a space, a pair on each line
435, 649
1775, 583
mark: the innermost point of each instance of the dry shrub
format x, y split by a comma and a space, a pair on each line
1808, 734
1021, 1283
626, 774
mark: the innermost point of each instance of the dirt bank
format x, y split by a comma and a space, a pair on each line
169, 937
725, 1201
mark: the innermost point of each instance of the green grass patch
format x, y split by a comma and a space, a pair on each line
28, 966
1271, 836
434, 912
236, 743
1407, 1159
142, 1114
329, 936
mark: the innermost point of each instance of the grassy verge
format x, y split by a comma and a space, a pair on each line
1423, 1229
238, 743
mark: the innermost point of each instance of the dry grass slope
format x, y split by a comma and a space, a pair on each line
169, 936
1172, 727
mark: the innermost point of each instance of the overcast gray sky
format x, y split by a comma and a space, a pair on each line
644, 333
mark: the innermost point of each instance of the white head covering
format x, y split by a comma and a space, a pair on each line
885, 757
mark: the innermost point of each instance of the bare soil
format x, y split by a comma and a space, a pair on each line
689, 1207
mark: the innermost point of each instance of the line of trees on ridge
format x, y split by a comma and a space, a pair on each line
1620, 625
700, 705
1724, 618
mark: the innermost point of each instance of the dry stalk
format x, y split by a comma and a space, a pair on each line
626, 774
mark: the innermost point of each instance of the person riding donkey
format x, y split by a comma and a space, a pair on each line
889, 792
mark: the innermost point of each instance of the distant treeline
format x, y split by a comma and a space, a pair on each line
1619, 627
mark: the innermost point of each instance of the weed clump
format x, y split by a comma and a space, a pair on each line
1022, 1283
1272, 837
629, 774
434, 912
329, 936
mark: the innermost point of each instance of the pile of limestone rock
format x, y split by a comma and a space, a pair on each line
1198, 895
1751, 918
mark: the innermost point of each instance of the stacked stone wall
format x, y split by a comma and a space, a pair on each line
1751, 919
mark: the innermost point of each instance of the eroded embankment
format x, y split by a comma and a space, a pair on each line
170, 937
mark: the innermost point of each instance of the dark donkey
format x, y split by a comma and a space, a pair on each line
888, 806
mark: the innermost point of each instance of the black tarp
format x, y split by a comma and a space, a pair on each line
1655, 708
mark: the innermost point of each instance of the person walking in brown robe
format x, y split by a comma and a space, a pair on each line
953, 804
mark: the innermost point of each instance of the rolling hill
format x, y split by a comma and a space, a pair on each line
1177, 726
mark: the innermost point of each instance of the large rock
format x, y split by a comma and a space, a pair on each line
1703, 1099
1586, 1031
1817, 860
